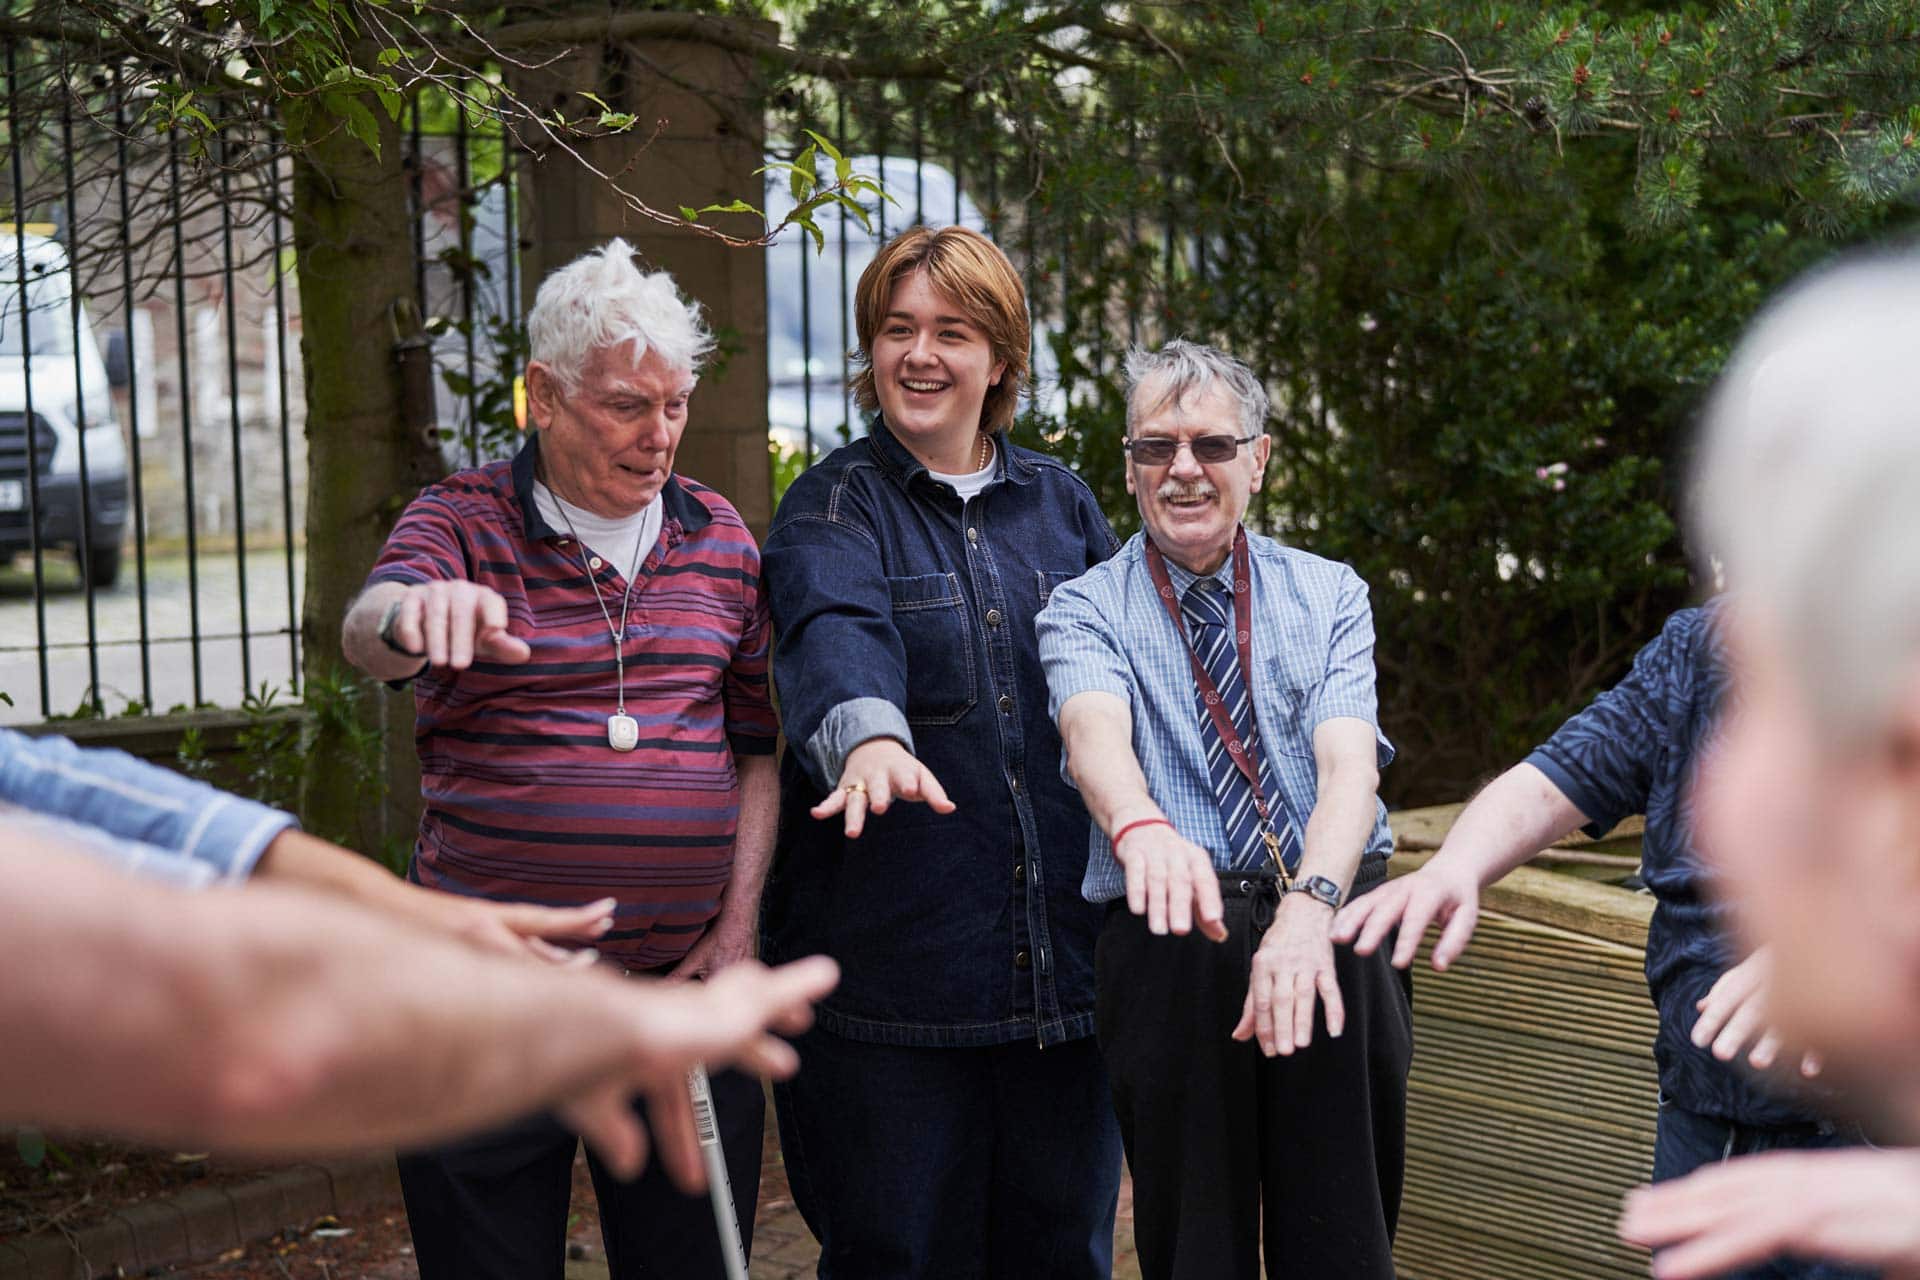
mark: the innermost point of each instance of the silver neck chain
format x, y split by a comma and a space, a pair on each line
618, 634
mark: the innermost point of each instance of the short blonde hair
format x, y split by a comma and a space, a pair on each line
968, 269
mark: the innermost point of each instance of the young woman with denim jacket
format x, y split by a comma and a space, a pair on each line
952, 1117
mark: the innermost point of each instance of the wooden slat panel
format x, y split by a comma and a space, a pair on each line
1531, 1105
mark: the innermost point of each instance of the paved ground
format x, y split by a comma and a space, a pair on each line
170, 597
783, 1250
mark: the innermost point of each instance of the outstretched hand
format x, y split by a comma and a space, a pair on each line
1171, 881
1857, 1206
878, 772
1292, 973
734, 1019
1435, 894
1733, 1017
524, 929
453, 622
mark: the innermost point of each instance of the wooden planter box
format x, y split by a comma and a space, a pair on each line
1531, 1105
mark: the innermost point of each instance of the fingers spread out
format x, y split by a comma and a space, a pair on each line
1212, 911
1157, 896
1136, 886
933, 793
585, 922
856, 811
1741, 1030
1415, 915
879, 791
1296, 996
1348, 920
1179, 899
1453, 938
1329, 987
835, 801
609, 1125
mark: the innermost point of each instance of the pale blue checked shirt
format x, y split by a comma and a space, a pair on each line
130, 814
1312, 660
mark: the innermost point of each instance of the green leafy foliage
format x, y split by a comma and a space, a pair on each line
272, 748
1487, 256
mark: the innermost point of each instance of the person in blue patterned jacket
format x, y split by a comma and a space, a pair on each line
1635, 750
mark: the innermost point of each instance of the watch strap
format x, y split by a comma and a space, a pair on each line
387, 620
1320, 889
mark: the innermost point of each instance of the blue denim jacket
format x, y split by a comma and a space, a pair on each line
899, 612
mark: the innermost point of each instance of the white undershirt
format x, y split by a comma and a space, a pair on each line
621, 542
968, 486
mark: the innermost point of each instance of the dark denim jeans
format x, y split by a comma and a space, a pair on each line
993, 1163
1687, 1140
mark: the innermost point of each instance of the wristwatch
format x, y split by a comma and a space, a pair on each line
386, 630
1320, 889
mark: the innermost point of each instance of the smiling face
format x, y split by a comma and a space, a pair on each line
931, 371
609, 446
1191, 509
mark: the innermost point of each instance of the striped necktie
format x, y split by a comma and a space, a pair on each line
1209, 613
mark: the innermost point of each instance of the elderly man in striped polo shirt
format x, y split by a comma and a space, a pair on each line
588, 645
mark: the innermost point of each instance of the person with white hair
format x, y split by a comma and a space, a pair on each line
1215, 692
588, 644
1805, 495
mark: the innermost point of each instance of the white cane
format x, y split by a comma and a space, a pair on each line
719, 1189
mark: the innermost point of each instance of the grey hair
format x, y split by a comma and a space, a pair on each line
1181, 369
1808, 483
602, 299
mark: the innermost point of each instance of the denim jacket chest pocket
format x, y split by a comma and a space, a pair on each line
930, 616
1046, 580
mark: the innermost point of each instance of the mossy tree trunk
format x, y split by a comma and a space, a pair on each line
354, 242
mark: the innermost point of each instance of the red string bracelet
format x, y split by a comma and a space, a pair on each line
1121, 834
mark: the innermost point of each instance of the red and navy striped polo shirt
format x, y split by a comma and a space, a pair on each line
523, 799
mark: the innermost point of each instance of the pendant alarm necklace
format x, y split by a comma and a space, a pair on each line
623, 731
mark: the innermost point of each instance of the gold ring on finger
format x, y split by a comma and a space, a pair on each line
859, 787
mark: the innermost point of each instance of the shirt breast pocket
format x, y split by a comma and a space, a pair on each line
929, 614
1293, 687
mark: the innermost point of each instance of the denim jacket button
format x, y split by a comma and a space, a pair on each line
1021, 960
1015, 784
993, 617
1006, 704
973, 534
1019, 873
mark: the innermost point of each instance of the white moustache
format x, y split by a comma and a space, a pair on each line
1174, 490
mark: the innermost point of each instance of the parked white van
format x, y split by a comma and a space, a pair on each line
41, 457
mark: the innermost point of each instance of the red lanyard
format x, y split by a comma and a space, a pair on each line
1209, 692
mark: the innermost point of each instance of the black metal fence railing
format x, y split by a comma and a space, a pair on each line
151, 520
152, 446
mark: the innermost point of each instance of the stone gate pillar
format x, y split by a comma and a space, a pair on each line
698, 137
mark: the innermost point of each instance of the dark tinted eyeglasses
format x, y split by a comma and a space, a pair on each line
1158, 451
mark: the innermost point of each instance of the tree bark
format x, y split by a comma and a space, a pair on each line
354, 244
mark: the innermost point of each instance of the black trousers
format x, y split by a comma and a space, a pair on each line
1221, 1138
494, 1207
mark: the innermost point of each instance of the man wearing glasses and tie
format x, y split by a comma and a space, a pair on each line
1215, 692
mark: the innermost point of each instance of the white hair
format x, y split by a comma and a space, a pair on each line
601, 299
1808, 483
1182, 368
